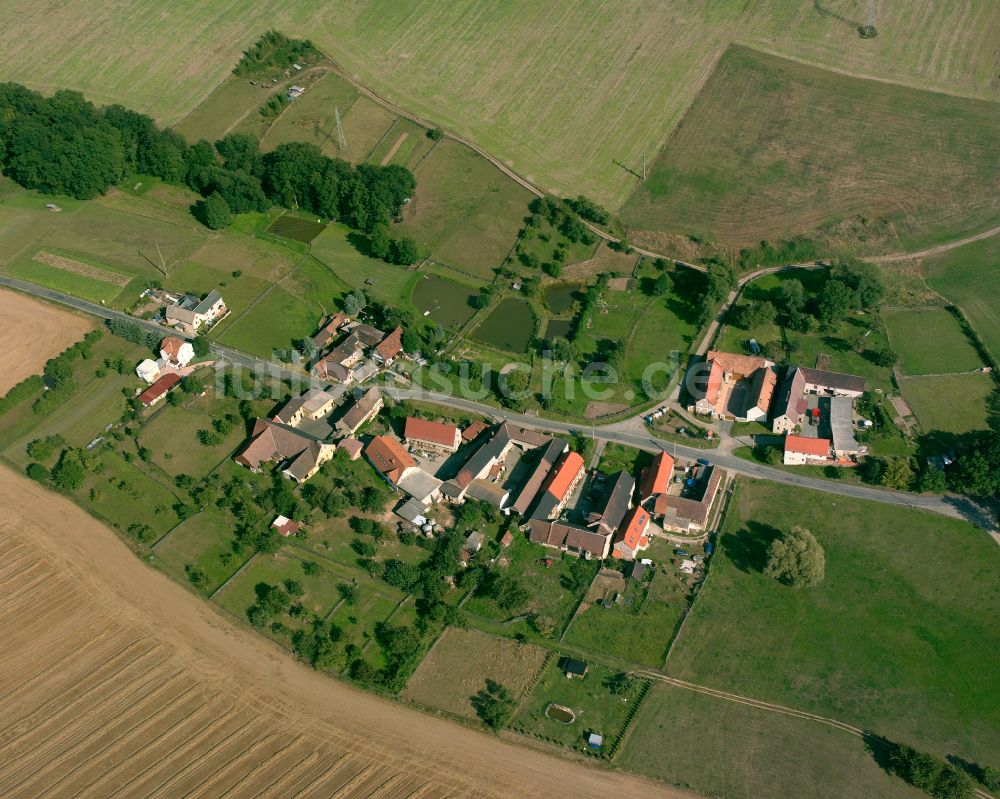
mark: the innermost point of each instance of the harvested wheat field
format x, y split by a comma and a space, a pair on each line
31, 332
120, 682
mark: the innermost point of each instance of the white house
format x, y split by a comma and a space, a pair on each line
176, 351
800, 450
149, 370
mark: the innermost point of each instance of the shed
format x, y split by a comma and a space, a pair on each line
595, 740
637, 571
573, 667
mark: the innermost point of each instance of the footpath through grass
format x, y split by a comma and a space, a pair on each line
892, 640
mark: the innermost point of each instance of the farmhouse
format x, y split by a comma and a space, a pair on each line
616, 504
159, 389
800, 450
300, 455
389, 457
559, 486
796, 401
818, 381
736, 386
568, 538
433, 436
420, 484
328, 329
790, 403
365, 409
632, 538
689, 510
389, 347
488, 492
656, 477
189, 312
314, 404
176, 351
491, 455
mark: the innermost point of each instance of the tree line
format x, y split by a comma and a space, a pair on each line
64, 144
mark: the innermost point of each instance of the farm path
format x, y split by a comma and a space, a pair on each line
122, 682
771, 707
931, 251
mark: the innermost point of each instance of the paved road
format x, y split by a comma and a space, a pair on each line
621, 432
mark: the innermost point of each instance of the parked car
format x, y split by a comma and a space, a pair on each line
703, 462
681, 553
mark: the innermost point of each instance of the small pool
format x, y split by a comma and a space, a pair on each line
561, 296
509, 327
558, 328
291, 227
560, 713
449, 303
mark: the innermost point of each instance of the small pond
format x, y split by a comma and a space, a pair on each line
509, 327
558, 328
449, 303
560, 713
291, 227
561, 296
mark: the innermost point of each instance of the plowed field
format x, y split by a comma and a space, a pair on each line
120, 682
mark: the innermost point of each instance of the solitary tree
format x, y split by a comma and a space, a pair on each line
215, 212
354, 303
796, 558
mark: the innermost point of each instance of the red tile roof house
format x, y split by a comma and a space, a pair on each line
176, 351
656, 477
631, 537
434, 436
726, 371
800, 450
471, 433
389, 347
389, 457
159, 390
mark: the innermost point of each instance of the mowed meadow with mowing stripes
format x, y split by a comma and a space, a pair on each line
559, 91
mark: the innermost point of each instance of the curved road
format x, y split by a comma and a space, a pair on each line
620, 432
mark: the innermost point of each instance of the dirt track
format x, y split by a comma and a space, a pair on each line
120, 682
31, 332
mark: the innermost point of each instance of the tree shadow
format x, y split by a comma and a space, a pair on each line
974, 770
747, 549
880, 748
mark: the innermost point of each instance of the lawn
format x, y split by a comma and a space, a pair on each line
465, 210
952, 403
639, 631
232, 101
171, 434
205, 542
276, 321
406, 141
813, 146
970, 277
239, 292
931, 342
311, 117
619, 457
333, 248
596, 708
892, 639
721, 748
549, 595
86, 286
461, 661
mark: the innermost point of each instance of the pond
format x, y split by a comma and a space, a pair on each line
561, 296
509, 327
291, 227
558, 328
449, 303
560, 713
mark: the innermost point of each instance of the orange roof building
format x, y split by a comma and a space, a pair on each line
656, 476
559, 484
432, 435
631, 537
389, 347
800, 450
159, 389
389, 457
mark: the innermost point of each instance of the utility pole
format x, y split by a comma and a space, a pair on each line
163, 264
340, 129
644, 165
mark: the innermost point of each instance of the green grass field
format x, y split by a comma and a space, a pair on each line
970, 277
465, 210
333, 249
890, 641
813, 146
596, 708
561, 92
311, 117
234, 101
205, 542
721, 748
931, 342
952, 403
